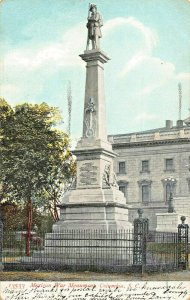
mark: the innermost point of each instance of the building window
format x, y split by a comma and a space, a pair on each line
169, 185
188, 184
145, 191
122, 188
167, 191
122, 167
145, 166
169, 164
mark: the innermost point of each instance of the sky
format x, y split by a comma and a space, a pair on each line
148, 42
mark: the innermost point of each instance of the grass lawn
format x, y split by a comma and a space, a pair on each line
91, 276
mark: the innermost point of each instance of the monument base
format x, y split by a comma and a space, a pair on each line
85, 249
93, 208
88, 236
105, 216
167, 222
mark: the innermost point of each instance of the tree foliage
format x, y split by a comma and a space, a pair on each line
35, 159
41, 219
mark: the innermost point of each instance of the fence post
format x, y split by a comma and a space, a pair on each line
140, 240
1, 243
183, 244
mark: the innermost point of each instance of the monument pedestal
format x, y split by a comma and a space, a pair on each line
105, 216
95, 202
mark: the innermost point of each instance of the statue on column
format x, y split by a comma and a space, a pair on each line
94, 24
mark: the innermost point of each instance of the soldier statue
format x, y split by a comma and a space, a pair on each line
94, 23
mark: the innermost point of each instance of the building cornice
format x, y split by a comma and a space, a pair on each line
152, 143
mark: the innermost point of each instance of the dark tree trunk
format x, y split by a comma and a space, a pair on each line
53, 211
56, 211
29, 223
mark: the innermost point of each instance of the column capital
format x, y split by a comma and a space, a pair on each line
94, 55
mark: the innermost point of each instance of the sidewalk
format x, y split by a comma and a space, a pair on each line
92, 276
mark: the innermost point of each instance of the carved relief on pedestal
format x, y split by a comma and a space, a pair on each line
108, 178
90, 118
88, 174
115, 181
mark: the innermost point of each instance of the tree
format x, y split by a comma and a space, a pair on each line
59, 180
17, 223
6, 114
33, 155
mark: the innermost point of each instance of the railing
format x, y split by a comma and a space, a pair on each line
99, 250
95, 250
162, 251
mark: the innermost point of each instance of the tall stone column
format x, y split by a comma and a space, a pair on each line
94, 120
94, 153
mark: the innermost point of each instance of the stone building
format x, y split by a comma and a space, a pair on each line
150, 165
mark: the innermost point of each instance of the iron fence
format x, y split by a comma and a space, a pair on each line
94, 250
161, 251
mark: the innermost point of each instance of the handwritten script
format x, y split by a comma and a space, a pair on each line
95, 290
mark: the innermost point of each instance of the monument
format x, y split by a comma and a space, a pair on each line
94, 212
94, 202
